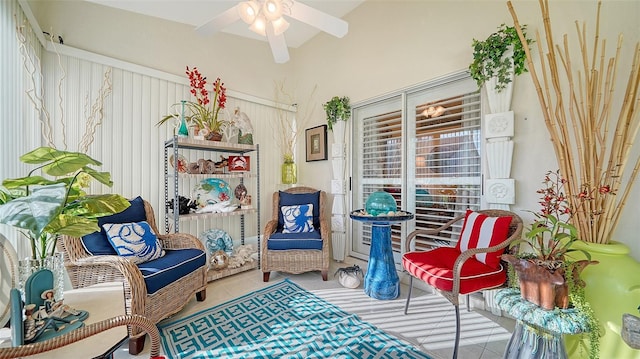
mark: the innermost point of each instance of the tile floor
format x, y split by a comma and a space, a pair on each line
429, 325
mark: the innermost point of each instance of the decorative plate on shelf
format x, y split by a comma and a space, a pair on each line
217, 239
8, 277
211, 191
182, 163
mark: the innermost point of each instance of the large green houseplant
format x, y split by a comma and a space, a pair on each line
489, 58
43, 208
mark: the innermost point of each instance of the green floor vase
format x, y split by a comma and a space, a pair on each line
613, 288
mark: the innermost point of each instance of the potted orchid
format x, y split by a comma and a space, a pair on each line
546, 262
207, 119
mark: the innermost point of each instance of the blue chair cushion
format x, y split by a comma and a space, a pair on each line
175, 264
97, 243
284, 241
293, 199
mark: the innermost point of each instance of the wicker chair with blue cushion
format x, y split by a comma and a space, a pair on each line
296, 239
159, 280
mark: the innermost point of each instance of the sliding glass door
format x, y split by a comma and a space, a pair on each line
423, 146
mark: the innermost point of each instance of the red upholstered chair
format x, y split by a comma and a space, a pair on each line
473, 265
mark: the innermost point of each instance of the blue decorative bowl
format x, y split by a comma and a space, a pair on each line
380, 203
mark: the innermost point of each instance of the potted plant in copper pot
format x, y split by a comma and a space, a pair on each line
546, 262
545, 271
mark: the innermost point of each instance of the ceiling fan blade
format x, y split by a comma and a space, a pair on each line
318, 19
219, 22
278, 45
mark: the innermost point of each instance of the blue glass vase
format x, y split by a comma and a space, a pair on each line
380, 203
183, 129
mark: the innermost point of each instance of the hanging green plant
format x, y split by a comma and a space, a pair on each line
580, 303
489, 59
337, 109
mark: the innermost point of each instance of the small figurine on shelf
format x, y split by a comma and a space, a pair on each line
242, 255
185, 205
245, 202
245, 130
219, 260
224, 162
241, 194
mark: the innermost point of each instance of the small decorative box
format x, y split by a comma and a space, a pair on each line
239, 163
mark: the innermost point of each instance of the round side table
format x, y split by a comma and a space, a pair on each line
381, 280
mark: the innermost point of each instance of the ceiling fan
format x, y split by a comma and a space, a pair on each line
267, 18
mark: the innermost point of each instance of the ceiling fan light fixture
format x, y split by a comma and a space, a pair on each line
280, 25
432, 111
259, 25
249, 11
272, 9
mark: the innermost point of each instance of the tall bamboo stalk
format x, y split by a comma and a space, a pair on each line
577, 106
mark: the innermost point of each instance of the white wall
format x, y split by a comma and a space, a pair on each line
390, 45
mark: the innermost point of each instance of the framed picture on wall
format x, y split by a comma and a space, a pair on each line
316, 142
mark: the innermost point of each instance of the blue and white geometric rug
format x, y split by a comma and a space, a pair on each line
279, 321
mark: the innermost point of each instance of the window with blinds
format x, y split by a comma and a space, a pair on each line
422, 146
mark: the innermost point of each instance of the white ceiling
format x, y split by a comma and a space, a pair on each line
196, 13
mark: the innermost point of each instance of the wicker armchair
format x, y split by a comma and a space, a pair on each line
455, 271
296, 260
85, 270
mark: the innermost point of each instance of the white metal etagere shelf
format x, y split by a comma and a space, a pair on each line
172, 185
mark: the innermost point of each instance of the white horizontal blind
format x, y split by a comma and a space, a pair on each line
377, 163
447, 164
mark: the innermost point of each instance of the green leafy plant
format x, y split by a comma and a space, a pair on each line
43, 208
337, 109
489, 59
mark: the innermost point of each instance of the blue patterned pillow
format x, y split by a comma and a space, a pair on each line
297, 219
292, 199
134, 241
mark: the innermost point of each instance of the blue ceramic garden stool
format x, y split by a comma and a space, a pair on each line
381, 280
538, 332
